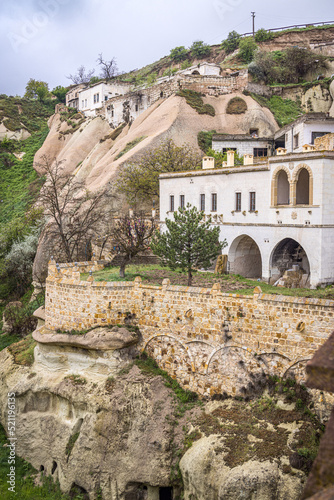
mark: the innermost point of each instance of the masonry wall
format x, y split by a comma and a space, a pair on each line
210, 341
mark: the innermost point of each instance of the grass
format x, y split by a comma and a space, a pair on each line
130, 145
284, 110
17, 113
76, 379
150, 367
230, 283
23, 351
20, 184
195, 100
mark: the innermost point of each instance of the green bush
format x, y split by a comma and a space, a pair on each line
247, 48
179, 54
200, 49
262, 35
204, 139
231, 43
288, 66
236, 106
195, 100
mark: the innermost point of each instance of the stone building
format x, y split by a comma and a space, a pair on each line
244, 144
72, 96
276, 216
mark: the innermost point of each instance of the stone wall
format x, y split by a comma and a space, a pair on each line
129, 106
212, 342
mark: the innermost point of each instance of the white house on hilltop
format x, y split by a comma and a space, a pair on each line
276, 215
93, 97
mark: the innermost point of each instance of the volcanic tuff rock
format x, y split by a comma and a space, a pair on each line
125, 433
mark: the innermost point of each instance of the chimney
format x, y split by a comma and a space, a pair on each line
230, 158
208, 162
248, 159
281, 151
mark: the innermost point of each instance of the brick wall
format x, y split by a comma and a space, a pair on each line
209, 340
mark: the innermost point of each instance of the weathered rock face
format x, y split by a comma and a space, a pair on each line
124, 435
111, 435
207, 477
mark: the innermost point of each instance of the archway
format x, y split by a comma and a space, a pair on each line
245, 257
303, 187
287, 253
283, 188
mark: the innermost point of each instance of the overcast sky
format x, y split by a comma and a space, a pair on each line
49, 39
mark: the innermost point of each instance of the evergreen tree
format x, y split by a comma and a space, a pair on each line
188, 242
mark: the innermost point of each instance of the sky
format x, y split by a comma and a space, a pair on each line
49, 39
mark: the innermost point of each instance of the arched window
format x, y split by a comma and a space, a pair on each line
303, 188
283, 188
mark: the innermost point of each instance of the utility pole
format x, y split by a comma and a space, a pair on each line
253, 16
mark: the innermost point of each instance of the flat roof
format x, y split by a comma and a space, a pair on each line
306, 118
239, 137
256, 167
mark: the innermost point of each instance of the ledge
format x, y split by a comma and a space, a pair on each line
98, 339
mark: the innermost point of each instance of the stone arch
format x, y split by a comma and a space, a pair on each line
302, 185
221, 348
234, 369
297, 369
176, 340
275, 362
285, 254
276, 193
200, 351
195, 72
245, 257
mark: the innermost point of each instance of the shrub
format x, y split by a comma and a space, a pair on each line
236, 106
179, 54
195, 100
231, 43
204, 139
200, 49
247, 47
20, 320
262, 35
288, 66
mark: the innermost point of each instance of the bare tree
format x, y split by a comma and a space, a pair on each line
131, 235
81, 76
74, 214
108, 68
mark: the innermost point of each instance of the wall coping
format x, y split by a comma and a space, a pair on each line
257, 294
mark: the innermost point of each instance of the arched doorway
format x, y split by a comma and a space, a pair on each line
287, 253
283, 188
303, 187
245, 257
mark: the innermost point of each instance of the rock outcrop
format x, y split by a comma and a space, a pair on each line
124, 434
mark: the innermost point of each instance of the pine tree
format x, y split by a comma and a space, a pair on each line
188, 242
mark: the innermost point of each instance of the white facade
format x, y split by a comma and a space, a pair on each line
94, 97
204, 69
288, 220
243, 144
305, 130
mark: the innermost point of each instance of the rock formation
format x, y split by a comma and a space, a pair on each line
124, 434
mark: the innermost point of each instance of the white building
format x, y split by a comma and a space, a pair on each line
273, 214
203, 69
303, 131
93, 97
244, 144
